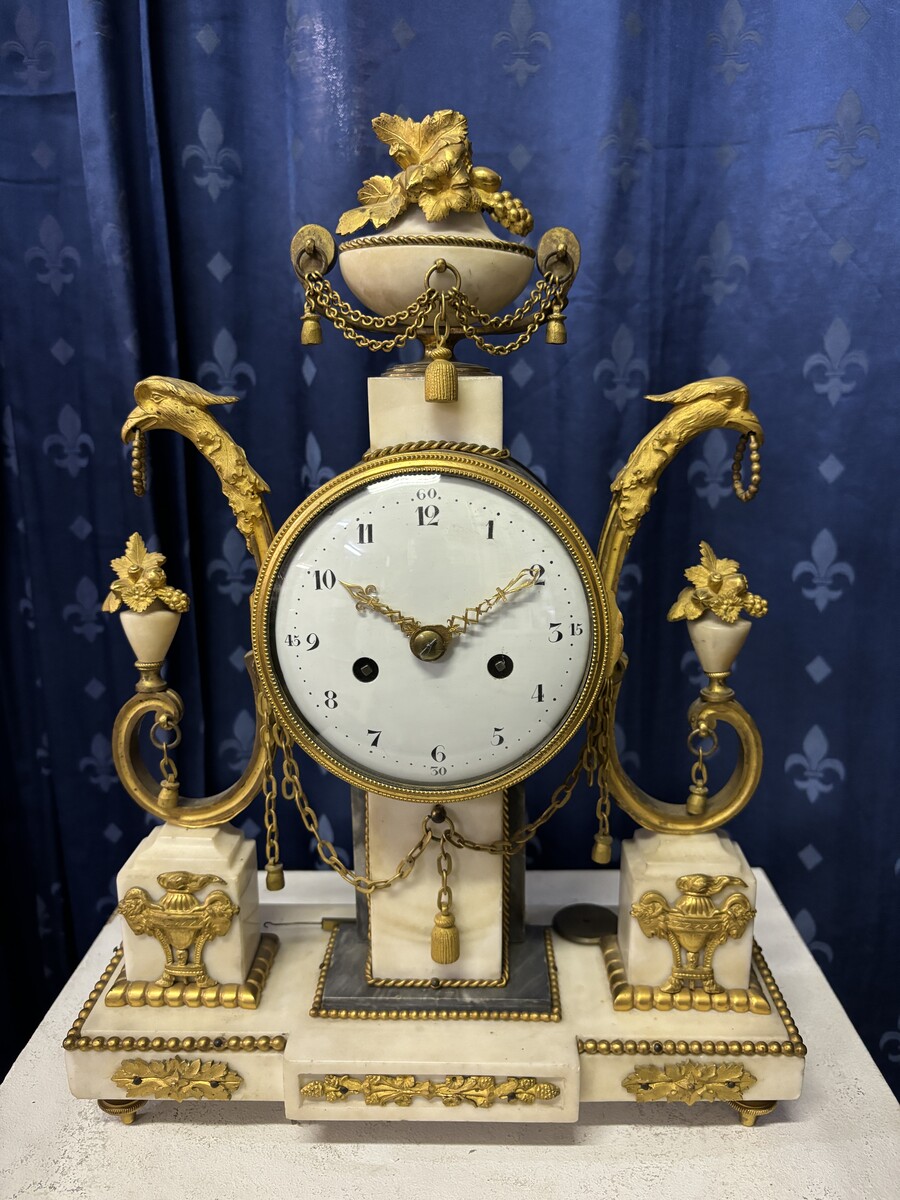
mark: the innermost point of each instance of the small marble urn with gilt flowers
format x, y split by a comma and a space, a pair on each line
674, 937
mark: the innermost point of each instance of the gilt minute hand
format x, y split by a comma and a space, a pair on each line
367, 597
526, 578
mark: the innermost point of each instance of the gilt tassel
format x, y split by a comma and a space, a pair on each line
441, 386
444, 939
310, 330
601, 851
556, 331
274, 877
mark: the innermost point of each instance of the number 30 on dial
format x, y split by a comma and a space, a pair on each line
431, 626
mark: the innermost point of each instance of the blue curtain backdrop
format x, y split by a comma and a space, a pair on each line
731, 167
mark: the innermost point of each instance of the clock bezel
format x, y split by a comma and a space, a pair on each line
494, 473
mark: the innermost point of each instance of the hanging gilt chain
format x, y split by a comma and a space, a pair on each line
322, 300
590, 762
292, 791
544, 306
744, 494
139, 463
274, 866
596, 757
166, 735
703, 744
444, 935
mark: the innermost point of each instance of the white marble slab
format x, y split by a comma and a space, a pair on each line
399, 412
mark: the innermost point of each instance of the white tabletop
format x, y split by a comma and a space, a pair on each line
840, 1140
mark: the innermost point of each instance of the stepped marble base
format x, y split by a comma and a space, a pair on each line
531, 993
377, 1065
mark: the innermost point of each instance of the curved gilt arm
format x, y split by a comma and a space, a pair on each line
719, 403
726, 803
163, 799
164, 403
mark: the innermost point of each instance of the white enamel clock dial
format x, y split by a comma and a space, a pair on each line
395, 560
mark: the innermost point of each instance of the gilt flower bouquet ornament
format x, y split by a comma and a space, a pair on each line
719, 588
435, 157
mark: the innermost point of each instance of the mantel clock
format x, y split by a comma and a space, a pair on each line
432, 627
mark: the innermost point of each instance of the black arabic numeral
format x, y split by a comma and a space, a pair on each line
555, 634
325, 579
364, 535
428, 514
439, 753
331, 699
374, 734
538, 693
539, 580
497, 739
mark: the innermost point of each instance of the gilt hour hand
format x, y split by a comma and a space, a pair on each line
367, 598
526, 578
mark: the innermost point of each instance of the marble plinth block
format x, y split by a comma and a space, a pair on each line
399, 412
652, 862
222, 851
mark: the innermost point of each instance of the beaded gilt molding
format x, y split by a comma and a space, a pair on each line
627, 996
137, 993
76, 1040
793, 1046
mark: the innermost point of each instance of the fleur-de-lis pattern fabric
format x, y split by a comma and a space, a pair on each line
730, 169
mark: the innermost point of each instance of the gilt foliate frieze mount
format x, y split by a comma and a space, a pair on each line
689, 1082
481, 1091
176, 1079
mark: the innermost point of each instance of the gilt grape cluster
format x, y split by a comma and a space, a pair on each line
755, 605
512, 214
